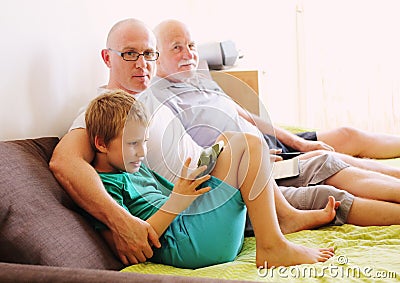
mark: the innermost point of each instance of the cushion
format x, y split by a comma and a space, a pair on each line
39, 223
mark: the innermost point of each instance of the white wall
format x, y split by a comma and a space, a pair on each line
50, 50
50, 65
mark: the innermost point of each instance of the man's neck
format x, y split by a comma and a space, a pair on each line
116, 86
169, 78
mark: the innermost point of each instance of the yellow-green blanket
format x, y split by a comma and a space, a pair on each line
362, 254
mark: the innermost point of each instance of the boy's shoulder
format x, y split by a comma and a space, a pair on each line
114, 179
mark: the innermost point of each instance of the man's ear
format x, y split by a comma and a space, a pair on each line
100, 144
105, 54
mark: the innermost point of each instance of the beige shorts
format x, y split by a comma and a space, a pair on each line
311, 198
314, 171
316, 197
307, 191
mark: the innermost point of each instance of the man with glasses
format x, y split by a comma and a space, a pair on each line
71, 159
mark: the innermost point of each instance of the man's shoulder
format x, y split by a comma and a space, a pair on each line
159, 83
160, 89
79, 121
209, 84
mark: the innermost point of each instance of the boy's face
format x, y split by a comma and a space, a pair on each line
127, 151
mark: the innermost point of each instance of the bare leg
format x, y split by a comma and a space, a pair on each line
243, 163
291, 219
362, 163
370, 164
359, 143
367, 184
367, 212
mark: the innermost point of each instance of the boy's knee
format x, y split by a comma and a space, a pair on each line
254, 140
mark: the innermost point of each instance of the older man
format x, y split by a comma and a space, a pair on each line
197, 102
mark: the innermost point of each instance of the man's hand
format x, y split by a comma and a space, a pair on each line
273, 155
133, 241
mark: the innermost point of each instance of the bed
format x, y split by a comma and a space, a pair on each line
43, 238
361, 253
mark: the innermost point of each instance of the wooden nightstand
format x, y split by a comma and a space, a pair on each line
242, 86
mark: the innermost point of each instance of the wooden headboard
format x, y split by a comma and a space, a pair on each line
242, 86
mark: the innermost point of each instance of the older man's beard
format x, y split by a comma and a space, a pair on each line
188, 62
186, 75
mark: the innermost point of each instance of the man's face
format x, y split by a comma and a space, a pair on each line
178, 52
131, 76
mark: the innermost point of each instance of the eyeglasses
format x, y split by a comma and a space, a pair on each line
134, 56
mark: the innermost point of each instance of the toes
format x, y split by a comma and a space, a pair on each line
325, 256
330, 249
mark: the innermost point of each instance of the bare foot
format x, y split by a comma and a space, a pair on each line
287, 254
308, 219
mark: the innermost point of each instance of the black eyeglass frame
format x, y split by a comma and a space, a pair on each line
122, 54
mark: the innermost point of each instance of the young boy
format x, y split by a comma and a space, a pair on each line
197, 226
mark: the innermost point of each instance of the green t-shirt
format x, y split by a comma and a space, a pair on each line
141, 193
209, 231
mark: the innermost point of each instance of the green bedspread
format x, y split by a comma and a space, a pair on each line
362, 254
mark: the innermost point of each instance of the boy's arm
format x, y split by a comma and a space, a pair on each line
182, 195
70, 164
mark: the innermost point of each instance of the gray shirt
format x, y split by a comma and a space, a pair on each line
203, 108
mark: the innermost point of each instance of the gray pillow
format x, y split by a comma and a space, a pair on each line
39, 223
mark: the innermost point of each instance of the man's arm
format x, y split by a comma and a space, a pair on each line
70, 164
284, 136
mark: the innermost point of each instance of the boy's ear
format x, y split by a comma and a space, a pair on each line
100, 144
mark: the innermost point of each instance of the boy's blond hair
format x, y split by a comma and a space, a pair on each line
107, 114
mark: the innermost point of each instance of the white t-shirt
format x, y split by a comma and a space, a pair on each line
169, 145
